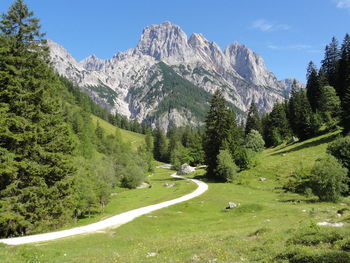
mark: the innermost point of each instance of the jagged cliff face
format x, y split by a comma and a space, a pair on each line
168, 78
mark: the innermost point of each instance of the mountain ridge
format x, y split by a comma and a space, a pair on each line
133, 75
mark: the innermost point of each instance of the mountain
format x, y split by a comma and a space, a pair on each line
168, 78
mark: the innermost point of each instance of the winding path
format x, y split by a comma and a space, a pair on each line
110, 222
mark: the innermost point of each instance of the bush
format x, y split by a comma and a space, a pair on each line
245, 158
299, 181
226, 168
340, 149
133, 177
328, 180
254, 141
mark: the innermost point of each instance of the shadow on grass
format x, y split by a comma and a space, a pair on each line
167, 179
305, 145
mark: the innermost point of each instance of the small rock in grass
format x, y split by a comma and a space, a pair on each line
151, 254
262, 179
330, 224
267, 220
231, 205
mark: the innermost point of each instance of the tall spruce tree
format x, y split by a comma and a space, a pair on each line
276, 126
221, 131
343, 79
35, 143
313, 89
253, 119
330, 62
302, 120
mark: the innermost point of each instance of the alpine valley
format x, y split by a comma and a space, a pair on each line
168, 79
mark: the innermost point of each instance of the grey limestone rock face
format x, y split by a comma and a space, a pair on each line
137, 87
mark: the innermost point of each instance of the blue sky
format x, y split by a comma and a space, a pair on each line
286, 33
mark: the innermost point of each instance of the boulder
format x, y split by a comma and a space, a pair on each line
186, 169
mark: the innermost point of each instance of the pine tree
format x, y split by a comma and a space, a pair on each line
302, 120
220, 133
330, 62
345, 115
313, 89
35, 143
253, 119
276, 126
343, 79
160, 146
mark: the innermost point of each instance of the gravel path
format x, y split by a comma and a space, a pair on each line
110, 222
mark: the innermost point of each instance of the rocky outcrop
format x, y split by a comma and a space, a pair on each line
136, 84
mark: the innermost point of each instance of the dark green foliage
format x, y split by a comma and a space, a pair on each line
226, 168
185, 146
330, 62
253, 119
221, 132
305, 124
254, 141
160, 146
313, 88
343, 79
345, 114
276, 126
36, 187
328, 180
329, 107
340, 149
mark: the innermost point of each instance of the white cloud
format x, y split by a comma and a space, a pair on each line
343, 3
266, 26
290, 47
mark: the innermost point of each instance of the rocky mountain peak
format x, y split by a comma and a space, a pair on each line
249, 65
163, 42
92, 63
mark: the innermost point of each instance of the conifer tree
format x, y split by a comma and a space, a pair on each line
35, 143
302, 120
313, 89
160, 146
330, 62
343, 80
221, 132
253, 119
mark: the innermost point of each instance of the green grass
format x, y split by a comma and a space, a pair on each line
201, 230
132, 138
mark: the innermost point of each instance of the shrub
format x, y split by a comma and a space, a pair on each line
132, 177
340, 149
299, 181
328, 180
254, 141
245, 158
226, 168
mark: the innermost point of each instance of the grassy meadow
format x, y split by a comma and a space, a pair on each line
202, 230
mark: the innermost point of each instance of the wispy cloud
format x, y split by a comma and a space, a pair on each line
291, 47
266, 26
343, 4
